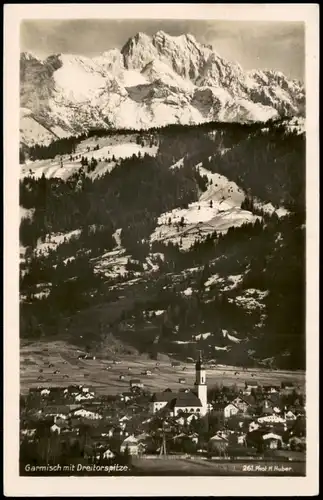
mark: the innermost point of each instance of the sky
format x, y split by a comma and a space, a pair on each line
253, 44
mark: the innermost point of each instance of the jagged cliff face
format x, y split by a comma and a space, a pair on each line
152, 81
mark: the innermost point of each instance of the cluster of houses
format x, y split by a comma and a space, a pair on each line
195, 420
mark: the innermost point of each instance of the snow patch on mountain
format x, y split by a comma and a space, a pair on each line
202, 336
110, 150
251, 299
52, 241
112, 264
232, 338
152, 81
26, 213
218, 209
270, 209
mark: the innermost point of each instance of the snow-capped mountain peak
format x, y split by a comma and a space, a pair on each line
152, 81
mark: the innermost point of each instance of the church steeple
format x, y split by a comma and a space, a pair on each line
199, 363
200, 383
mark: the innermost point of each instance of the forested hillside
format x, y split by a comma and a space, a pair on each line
194, 241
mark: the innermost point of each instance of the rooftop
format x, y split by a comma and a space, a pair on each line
183, 399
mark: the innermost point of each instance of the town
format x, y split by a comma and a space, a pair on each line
74, 429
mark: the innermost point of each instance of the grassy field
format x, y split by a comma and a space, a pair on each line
35, 359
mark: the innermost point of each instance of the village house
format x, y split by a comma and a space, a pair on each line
45, 392
289, 415
108, 433
126, 396
230, 410
253, 426
61, 411
241, 403
249, 387
272, 441
271, 389
55, 428
271, 419
287, 386
82, 412
241, 439
108, 454
185, 418
84, 396
136, 382
133, 446
72, 390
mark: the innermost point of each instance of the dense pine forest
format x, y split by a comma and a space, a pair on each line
267, 163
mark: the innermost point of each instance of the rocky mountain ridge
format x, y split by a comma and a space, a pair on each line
152, 81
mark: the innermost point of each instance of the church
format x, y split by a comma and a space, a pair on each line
185, 401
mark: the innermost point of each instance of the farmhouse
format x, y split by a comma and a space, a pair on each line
249, 387
136, 382
126, 396
271, 419
272, 441
241, 403
55, 428
87, 414
108, 454
131, 444
230, 410
289, 415
271, 389
45, 392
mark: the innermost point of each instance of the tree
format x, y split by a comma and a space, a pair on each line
127, 458
22, 156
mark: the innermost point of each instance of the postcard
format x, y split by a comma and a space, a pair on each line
161, 249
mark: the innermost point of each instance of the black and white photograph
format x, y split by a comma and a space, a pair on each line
163, 247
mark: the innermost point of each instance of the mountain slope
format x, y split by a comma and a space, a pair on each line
179, 239
152, 81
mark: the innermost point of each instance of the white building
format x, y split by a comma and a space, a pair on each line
230, 410
271, 419
185, 401
108, 454
87, 414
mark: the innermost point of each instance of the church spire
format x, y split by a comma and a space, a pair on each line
199, 363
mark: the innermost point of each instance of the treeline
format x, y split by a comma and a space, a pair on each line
67, 145
270, 257
269, 253
269, 165
130, 197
